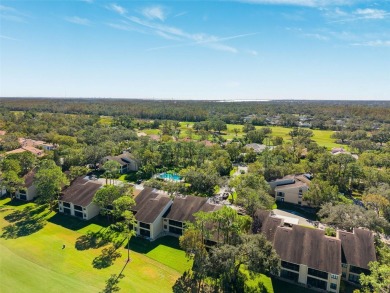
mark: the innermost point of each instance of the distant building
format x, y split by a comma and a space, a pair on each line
77, 199
290, 188
126, 161
258, 148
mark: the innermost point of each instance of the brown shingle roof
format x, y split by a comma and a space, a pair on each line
149, 204
301, 245
265, 224
29, 179
358, 247
81, 191
183, 209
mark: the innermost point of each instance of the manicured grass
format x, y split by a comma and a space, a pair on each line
165, 250
253, 282
36, 262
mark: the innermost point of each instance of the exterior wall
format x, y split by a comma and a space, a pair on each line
92, 210
167, 226
303, 275
156, 228
291, 195
88, 212
3, 191
30, 193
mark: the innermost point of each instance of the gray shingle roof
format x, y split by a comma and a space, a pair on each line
183, 209
149, 204
81, 191
309, 246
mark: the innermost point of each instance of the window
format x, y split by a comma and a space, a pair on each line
318, 274
66, 204
78, 208
144, 225
289, 275
175, 223
78, 214
66, 211
175, 230
353, 278
300, 193
145, 233
357, 270
344, 265
316, 283
333, 286
299, 202
281, 194
290, 266
165, 227
333, 276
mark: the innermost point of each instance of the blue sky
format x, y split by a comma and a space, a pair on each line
254, 49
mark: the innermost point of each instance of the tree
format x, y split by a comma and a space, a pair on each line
252, 192
225, 262
11, 181
77, 171
349, 216
248, 127
321, 192
236, 130
49, 180
111, 169
378, 280
122, 210
106, 196
376, 202
202, 180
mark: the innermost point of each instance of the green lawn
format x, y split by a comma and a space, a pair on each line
36, 262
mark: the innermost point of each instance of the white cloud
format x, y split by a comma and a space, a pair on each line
171, 32
376, 43
317, 37
252, 52
360, 14
11, 14
117, 8
78, 20
8, 38
307, 3
154, 12
369, 13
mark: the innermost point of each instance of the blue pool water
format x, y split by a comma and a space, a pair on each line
168, 176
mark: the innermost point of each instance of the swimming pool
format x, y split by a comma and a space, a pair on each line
169, 176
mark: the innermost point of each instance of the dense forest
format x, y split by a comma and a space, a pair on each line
323, 112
